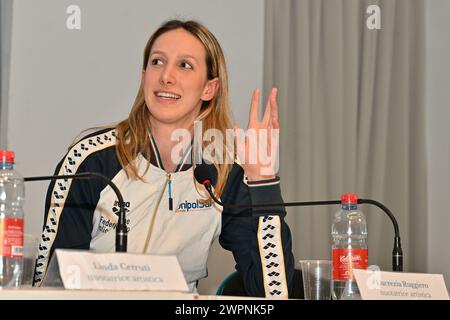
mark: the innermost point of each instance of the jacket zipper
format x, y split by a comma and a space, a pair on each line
152, 222
170, 192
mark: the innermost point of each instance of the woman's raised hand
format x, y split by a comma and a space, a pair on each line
258, 149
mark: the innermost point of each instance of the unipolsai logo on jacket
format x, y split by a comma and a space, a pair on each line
190, 206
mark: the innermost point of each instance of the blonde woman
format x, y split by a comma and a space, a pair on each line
184, 81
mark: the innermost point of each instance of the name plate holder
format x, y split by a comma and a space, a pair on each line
85, 270
381, 285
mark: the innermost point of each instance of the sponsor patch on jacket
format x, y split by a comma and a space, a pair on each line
106, 224
190, 206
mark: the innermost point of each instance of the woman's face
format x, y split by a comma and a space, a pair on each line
175, 81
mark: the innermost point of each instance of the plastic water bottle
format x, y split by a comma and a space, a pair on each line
349, 250
12, 196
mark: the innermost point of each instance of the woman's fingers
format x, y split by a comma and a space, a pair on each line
270, 117
267, 110
261, 134
274, 109
271, 111
254, 108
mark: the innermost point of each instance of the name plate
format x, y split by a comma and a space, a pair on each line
119, 271
380, 285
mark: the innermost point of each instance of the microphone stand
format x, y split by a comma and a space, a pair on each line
121, 228
397, 252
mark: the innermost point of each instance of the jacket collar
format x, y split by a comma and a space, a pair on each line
155, 158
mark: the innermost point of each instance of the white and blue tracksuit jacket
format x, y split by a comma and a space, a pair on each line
81, 214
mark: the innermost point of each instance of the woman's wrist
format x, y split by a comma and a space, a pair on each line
260, 177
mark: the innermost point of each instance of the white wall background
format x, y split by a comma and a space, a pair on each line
438, 136
5, 36
64, 81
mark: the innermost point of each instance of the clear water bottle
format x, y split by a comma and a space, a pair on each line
349, 250
12, 196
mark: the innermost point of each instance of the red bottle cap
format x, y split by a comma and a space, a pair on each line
6, 156
349, 198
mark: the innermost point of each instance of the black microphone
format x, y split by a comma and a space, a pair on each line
203, 175
121, 228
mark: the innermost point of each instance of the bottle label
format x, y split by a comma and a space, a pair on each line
345, 260
11, 236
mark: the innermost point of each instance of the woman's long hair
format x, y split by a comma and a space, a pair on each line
132, 137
